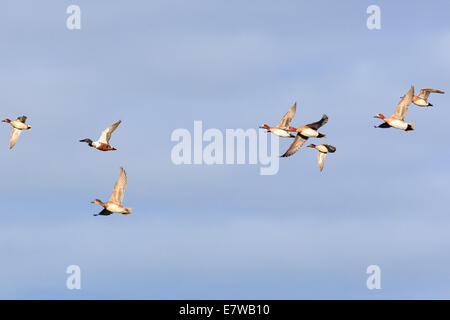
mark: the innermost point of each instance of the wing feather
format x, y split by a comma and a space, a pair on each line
425, 92
299, 140
287, 118
106, 134
321, 159
14, 136
403, 105
119, 188
316, 125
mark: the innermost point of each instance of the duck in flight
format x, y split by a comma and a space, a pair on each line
304, 133
281, 129
421, 99
103, 142
114, 204
397, 120
323, 150
18, 125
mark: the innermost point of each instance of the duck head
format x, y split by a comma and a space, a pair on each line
265, 126
96, 201
88, 141
7, 121
379, 115
311, 145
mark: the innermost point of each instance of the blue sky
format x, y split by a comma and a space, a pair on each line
207, 232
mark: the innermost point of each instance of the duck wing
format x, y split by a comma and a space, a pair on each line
14, 136
316, 125
119, 188
425, 92
106, 134
287, 118
403, 105
299, 140
321, 159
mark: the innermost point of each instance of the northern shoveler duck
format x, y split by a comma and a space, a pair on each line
305, 132
18, 125
421, 99
397, 120
281, 129
323, 150
114, 205
103, 142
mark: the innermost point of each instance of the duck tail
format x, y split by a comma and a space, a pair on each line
429, 104
410, 127
128, 211
321, 135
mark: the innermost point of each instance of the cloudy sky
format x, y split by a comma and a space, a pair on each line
223, 231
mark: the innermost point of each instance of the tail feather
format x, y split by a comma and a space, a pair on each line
128, 211
410, 127
321, 135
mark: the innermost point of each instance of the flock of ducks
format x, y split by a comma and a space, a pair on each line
397, 120
114, 204
282, 129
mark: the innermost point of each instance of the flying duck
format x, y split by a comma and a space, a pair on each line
103, 142
397, 120
323, 150
421, 99
114, 204
18, 125
281, 129
305, 132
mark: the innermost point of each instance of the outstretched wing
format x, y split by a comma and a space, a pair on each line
402, 107
14, 136
318, 124
321, 159
119, 188
22, 119
287, 118
106, 134
424, 93
299, 140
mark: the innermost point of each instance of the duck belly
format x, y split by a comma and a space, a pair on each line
280, 133
322, 148
399, 124
19, 125
310, 133
114, 208
421, 103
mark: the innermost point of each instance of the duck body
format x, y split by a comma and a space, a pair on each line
421, 102
323, 149
421, 99
114, 204
18, 126
397, 120
282, 128
304, 133
111, 208
102, 143
279, 132
308, 132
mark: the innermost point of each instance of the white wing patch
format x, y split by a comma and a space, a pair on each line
14, 136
